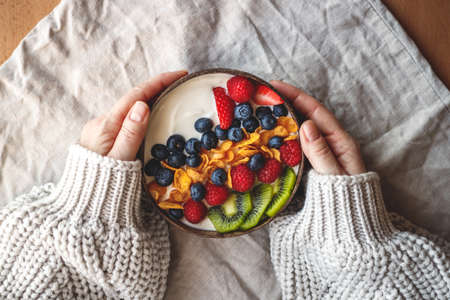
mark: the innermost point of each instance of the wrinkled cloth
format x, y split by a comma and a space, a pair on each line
352, 55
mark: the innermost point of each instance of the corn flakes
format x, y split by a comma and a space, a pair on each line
291, 137
176, 196
165, 165
280, 131
254, 138
168, 205
194, 175
217, 163
288, 123
241, 161
276, 154
266, 150
229, 183
229, 156
156, 191
181, 181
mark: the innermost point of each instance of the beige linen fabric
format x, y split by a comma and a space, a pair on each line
350, 54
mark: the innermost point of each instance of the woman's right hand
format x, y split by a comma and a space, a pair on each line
329, 149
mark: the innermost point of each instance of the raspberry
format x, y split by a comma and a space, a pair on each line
216, 194
270, 172
225, 107
240, 89
194, 212
242, 178
291, 153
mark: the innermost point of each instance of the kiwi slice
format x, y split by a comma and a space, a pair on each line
276, 186
285, 187
230, 215
262, 195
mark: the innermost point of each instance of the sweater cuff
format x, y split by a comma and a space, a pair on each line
345, 209
98, 188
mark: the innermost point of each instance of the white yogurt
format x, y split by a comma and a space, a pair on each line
177, 112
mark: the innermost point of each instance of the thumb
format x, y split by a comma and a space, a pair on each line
131, 133
317, 150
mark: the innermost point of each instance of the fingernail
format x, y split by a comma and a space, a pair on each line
138, 111
310, 131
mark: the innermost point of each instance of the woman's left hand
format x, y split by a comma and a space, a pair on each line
119, 133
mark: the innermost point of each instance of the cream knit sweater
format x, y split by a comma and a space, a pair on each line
343, 244
85, 238
88, 238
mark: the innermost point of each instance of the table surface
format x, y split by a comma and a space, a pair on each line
427, 23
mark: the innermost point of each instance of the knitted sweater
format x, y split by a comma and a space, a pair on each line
343, 244
85, 238
88, 238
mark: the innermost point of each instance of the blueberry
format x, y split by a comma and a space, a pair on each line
203, 125
275, 142
176, 143
236, 123
220, 133
164, 177
193, 160
256, 162
219, 176
280, 110
250, 124
193, 146
262, 111
268, 122
176, 159
198, 191
243, 111
176, 213
209, 140
159, 151
152, 167
235, 134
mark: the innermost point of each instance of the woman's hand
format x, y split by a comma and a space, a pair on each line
119, 133
329, 149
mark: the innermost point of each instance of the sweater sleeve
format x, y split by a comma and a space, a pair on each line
343, 244
86, 237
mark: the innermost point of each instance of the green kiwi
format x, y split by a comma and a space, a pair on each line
261, 197
276, 186
230, 215
285, 187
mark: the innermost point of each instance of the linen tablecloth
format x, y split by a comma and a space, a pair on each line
352, 55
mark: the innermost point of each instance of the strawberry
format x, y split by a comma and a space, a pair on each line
270, 172
266, 96
225, 107
194, 211
216, 194
240, 89
242, 178
291, 153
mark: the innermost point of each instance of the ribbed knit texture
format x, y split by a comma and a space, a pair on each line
85, 238
344, 245
88, 238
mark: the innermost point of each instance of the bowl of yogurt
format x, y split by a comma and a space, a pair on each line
221, 154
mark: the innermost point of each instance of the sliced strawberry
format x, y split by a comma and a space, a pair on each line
225, 107
266, 96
